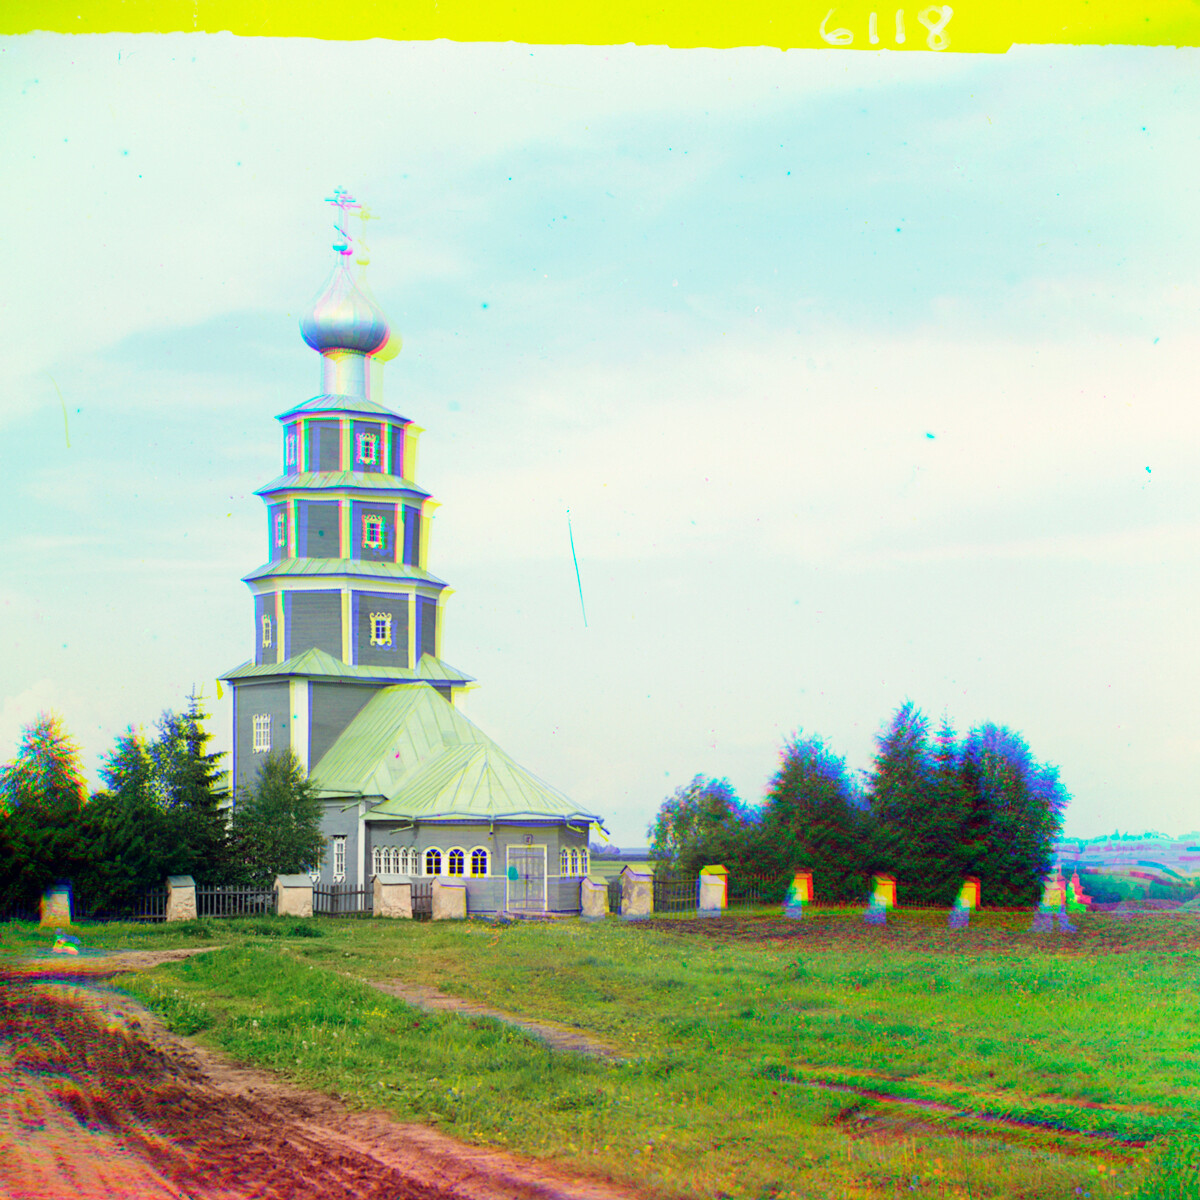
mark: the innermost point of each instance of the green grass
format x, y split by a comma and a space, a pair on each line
713, 1030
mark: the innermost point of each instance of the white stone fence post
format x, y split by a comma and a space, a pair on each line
293, 895
449, 901
391, 896
181, 898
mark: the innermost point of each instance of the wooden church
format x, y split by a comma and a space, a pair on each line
347, 669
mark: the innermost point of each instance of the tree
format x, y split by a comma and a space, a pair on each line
42, 794
703, 824
1017, 810
277, 822
812, 820
901, 785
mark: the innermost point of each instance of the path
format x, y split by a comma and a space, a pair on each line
557, 1037
98, 1100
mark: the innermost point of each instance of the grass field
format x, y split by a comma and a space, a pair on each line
1078, 1055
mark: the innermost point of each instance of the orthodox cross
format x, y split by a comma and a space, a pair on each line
344, 203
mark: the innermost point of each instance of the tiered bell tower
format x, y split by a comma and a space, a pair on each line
344, 604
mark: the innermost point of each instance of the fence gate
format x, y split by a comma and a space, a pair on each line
525, 886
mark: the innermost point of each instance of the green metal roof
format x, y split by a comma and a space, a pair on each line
358, 567
348, 404
371, 482
426, 761
317, 664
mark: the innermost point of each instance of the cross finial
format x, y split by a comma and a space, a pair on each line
344, 203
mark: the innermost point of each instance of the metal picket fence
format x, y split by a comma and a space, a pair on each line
214, 901
676, 894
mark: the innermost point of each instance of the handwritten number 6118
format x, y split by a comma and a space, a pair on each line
935, 19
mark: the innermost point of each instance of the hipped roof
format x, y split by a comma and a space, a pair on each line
425, 761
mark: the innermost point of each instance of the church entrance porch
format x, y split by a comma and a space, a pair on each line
525, 883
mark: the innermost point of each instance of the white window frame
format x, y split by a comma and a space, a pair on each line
583, 862
289, 449
376, 861
339, 857
374, 529
262, 733
266, 631
563, 861
480, 850
381, 629
364, 440
280, 529
461, 860
425, 861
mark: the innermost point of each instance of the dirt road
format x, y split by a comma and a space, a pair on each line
98, 1100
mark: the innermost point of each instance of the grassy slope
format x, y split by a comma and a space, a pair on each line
710, 1028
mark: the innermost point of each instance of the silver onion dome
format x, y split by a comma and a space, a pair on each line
343, 318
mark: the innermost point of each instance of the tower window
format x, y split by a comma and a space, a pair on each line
289, 450
372, 532
368, 448
262, 733
280, 529
266, 631
381, 629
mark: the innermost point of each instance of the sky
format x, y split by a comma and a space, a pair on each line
863, 377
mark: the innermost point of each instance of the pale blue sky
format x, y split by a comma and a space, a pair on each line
714, 302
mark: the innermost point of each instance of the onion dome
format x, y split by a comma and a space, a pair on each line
343, 318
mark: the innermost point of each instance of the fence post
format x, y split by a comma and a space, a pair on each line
593, 898
391, 896
181, 898
713, 891
637, 894
449, 901
56, 905
293, 896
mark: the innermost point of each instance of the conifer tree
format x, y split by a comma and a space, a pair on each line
812, 821
42, 795
1017, 808
901, 786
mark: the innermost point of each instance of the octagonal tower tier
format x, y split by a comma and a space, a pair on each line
344, 604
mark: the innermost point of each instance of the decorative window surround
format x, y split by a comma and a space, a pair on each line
433, 861
372, 532
456, 863
381, 629
266, 631
262, 733
368, 448
479, 861
280, 529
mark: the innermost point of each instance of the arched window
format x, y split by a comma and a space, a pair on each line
564, 863
433, 862
376, 855
583, 862
389, 860
574, 862
479, 861
456, 863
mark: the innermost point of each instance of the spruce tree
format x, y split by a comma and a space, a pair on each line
811, 821
42, 795
1017, 808
901, 787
